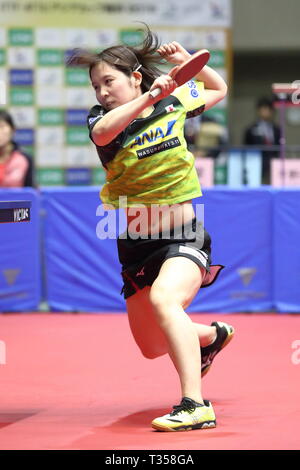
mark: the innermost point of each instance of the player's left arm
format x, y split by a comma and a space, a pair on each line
215, 88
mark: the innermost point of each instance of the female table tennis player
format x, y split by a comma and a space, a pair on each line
165, 252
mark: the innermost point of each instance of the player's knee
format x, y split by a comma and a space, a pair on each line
159, 297
162, 301
162, 297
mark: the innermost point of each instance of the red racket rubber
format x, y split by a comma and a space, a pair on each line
187, 70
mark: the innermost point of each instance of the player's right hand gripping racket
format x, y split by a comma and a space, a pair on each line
187, 70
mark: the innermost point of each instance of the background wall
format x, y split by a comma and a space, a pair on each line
265, 25
50, 102
265, 39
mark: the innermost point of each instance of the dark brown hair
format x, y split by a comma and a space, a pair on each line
6, 117
125, 58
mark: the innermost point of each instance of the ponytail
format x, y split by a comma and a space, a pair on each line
126, 59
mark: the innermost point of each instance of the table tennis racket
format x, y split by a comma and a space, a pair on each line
187, 70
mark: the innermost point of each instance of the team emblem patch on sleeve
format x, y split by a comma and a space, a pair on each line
170, 108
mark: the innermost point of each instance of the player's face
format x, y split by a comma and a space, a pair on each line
6, 133
113, 88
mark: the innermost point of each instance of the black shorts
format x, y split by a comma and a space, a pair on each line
142, 258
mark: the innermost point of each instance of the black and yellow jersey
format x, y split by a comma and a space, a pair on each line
149, 162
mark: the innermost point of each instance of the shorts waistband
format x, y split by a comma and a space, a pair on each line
184, 231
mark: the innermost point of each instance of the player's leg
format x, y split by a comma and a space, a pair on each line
150, 338
143, 324
147, 332
176, 285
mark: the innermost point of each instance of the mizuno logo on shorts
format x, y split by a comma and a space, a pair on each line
141, 273
200, 255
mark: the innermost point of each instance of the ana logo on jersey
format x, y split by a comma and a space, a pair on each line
153, 134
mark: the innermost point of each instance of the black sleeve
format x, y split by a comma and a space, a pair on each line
107, 152
95, 114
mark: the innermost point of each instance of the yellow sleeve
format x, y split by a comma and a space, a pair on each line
191, 97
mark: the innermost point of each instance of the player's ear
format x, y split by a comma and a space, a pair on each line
137, 78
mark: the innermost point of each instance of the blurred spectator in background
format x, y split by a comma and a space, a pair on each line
205, 136
211, 137
15, 165
262, 132
191, 130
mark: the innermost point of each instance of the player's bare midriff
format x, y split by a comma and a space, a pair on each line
158, 218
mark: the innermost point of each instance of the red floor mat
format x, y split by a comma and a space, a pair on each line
79, 382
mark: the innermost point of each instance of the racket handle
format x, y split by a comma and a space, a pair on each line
154, 93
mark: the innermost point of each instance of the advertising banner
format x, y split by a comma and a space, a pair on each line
50, 102
20, 256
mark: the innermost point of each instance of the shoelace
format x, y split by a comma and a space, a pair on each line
184, 406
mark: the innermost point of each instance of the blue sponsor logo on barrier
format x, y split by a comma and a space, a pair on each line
76, 117
78, 176
24, 136
21, 77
